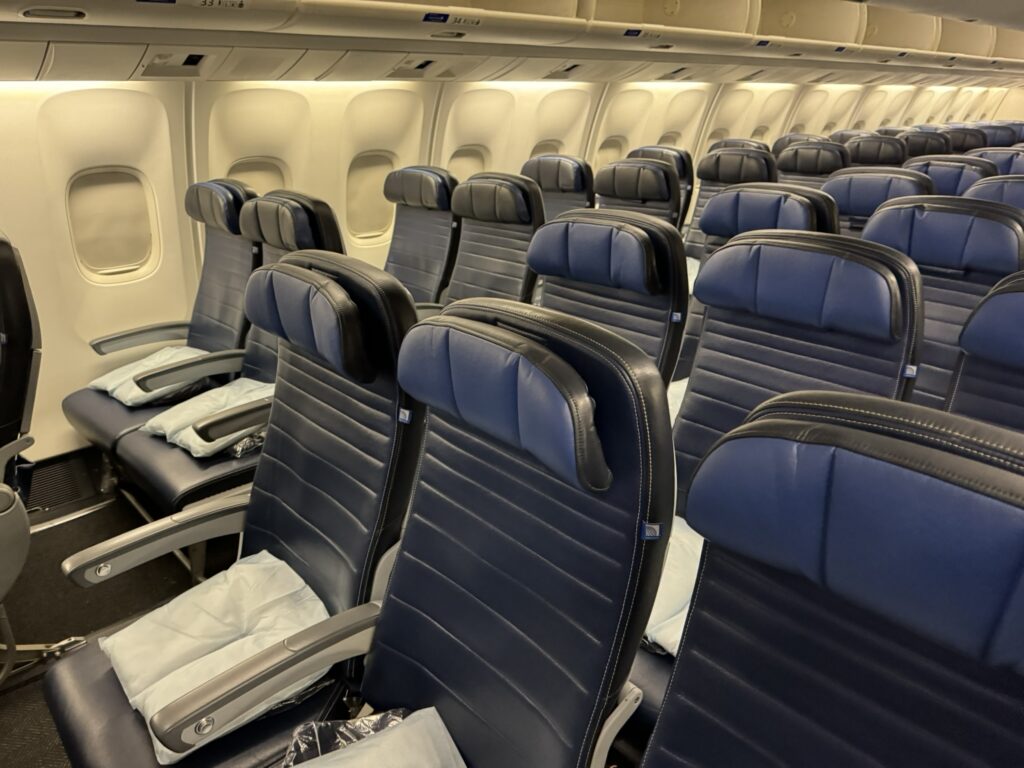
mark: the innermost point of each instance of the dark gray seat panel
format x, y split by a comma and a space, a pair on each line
810, 163
877, 150
999, 189
566, 182
859, 191
737, 143
681, 160
999, 135
101, 419
788, 139
926, 143
640, 185
965, 139
845, 134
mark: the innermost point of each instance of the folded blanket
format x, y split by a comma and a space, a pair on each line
665, 627
119, 383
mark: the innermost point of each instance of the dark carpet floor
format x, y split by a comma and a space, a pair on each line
28, 738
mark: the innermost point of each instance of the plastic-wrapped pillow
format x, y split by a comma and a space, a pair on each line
671, 606
120, 385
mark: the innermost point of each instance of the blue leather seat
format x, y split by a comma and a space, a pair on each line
169, 477
1008, 160
952, 174
877, 150
859, 594
499, 212
810, 163
962, 247
965, 139
988, 381
623, 271
859, 191
566, 182
999, 135
217, 323
788, 139
717, 170
1001, 189
679, 159
922, 142
1017, 125
426, 233
845, 134
737, 143
640, 185
329, 496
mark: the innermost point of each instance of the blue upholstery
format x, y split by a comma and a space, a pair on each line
811, 162
859, 599
566, 182
859, 191
624, 271
877, 150
739, 209
952, 174
788, 139
921, 142
518, 599
216, 204
1017, 125
736, 143
640, 185
500, 212
426, 234
844, 135
999, 135
962, 247
993, 330
965, 139
999, 189
680, 160
1007, 159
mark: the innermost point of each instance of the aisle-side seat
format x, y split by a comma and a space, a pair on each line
623, 271
811, 163
965, 139
1000, 189
845, 134
641, 186
426, 233
788, 139
217, 323
952, 174
730, 142
999, 135
922, 142
1008, 160
858, 596
681, 160
877, 150
566, 182
963, 247
329, 498
859, 191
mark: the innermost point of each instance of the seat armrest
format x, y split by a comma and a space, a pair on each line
147, 334
191, 370
14, 448
220, 516
209, 710
427, 309
232, 420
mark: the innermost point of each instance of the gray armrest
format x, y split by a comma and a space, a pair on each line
193, 369
232, 420
14, 448
207, 711
427, 309
147, 334
220, 516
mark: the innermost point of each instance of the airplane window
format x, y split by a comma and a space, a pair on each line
547, 148
367, 213
670, 139
611, 149
260, 173
111, 221
466, 161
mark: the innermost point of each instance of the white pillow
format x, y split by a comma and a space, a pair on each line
230, 617
119, 383
676, 393
665, 627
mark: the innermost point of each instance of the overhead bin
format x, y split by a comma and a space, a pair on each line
574, 70
967, 38
833, 28
894, 35
1009, 44
676, 25
233, 15
21, 60
90, 61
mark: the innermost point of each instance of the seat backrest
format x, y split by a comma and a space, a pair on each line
923, 142
218, 318
890, 130
735, 143
859, 191
811, 162
962, 247
988, 380
624, 271
999, 135
718, 170
20, 350
523, 583
1001, 189
825, 209
858, 596
499, 212
789, 139
426, 233
566, 182
844, 135
335, 476
282, 222
641, 186
952, 174
681, 160
965, 139
789, 311
1017, 125
877, 150
1008, 160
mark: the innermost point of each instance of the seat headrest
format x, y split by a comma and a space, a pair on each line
510, 388
877, 150
859, 191
1017, 125
638, 179
1007, 159
925, 128
965, 139
952, 233
310, 310
731, 143
793, 138
890, 130
999, 135
614, 255
743, 209
999, 189
923, 142
843, 136
217, 204
559, 173
952, 174
736, 165
873, 500
678, 158
278, 222
500, 198
993, 330
813, 158
820, 281
420, 187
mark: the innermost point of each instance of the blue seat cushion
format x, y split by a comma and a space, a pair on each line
740, 209
993, 331
101, 419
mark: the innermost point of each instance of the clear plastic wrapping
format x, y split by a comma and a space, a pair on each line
312, 740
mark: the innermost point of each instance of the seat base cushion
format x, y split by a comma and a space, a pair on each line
101, 419
99, 728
